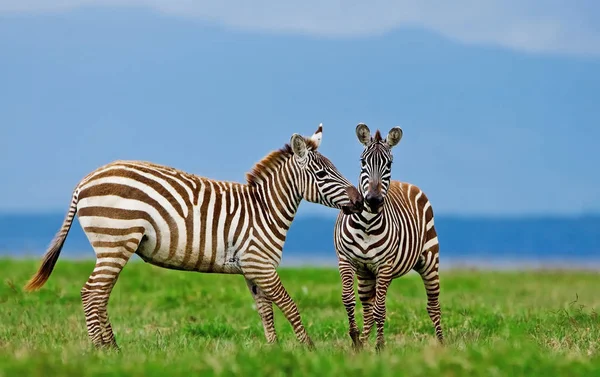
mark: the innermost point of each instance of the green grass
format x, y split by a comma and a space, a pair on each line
172, 323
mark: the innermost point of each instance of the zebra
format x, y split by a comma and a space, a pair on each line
393, 235
180, 221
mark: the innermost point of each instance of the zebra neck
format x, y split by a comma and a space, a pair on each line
278, 199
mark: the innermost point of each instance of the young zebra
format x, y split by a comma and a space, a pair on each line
182, 221
391, 236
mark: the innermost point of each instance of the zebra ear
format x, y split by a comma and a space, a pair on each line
298, 144
363, 133
317, 136
394, 136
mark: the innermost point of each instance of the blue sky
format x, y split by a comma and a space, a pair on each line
499, 101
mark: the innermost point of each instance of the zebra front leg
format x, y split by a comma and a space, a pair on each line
384, 280
96, 292
268, 281
265, 308
366, 293
428, 268
349, 300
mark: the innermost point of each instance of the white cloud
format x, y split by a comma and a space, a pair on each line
553, 26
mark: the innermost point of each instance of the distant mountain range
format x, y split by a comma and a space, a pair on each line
568, 239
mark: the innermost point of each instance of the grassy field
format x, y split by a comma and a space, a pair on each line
171, 323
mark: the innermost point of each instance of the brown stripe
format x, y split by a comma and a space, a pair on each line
431, 233
108, 264
215, 224
100, 280
191, 228
146, 181
244, 213
202, 226
230, 196
115, 231
189, 239
196, 191
245, 204
123, 214
115, 244
111, 255
412, 193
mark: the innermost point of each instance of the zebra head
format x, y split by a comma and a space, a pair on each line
376, 165
319, 180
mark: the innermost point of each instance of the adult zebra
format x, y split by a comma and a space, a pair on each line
394, 234
181, 221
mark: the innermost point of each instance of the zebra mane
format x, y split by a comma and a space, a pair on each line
377, 137
272, 162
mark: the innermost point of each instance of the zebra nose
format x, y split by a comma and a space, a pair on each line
356, 200
374, 200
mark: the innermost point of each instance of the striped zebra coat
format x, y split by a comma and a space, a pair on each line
181, 221
393, 235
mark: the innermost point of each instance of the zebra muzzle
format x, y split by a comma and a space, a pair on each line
374, 201
356, 201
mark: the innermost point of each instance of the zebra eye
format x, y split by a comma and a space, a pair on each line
321, 174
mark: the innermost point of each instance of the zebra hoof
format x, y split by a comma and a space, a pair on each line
357, 346
355, 336
110, 347
272, 342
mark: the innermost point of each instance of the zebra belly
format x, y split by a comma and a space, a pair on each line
371, 258
404, 266
222, 260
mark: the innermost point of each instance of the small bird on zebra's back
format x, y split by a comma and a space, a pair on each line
393, 235
182, 221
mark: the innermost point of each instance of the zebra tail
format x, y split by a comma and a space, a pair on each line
53, 252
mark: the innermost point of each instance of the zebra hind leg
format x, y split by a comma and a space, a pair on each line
349, 300
96, 291
428, 268
268, 281
264, 306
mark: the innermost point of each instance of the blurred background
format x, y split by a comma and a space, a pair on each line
498, 100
